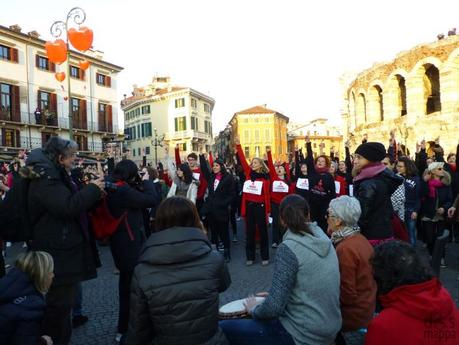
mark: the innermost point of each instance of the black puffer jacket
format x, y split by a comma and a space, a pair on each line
374, 196
175, 290
58, 214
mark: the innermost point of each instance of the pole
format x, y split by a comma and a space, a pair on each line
156, 147
69, 97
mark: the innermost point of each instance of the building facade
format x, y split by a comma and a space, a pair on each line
260, 129
222, 145
323, 137
35, 106
416, 95
162, 114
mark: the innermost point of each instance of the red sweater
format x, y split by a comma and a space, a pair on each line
418, 314
277, 197
264, 198
202, 181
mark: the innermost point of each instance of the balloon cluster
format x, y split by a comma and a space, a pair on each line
81, 39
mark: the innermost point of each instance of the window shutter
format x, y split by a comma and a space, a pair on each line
53, 103
101, 119
52, 66
85, 143
108, 81
108, 114
17, 137
176, 124
37, 60
14, 55
81, 74
39, 99
83, 118
16, 104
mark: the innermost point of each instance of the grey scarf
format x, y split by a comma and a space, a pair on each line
345, 232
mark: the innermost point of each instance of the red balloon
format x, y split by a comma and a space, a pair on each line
82, 38
65, 98
84, 64
56, 51
60, 76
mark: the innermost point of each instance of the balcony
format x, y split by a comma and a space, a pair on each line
105, 127
8, 115
190, 134
78, 123
46, 119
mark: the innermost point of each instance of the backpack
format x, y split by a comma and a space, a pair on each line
104, 225
14, 216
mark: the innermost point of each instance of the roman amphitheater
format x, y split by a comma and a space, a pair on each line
416, 94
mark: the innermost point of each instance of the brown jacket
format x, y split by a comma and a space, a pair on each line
358, 288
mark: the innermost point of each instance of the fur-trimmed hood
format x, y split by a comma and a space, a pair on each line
445, 179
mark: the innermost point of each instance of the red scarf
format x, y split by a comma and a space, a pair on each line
369, 171
433, 186
322, 170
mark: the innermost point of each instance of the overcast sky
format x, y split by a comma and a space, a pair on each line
286, 54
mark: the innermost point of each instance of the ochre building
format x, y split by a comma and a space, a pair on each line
416, 94
260, 129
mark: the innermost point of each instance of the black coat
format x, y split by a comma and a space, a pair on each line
374, 196
57, 214
126, 250
21, 309
443, 198
175, 290
219, 200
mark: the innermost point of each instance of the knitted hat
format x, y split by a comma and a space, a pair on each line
373, 151
435, 165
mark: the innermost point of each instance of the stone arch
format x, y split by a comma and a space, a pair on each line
352, 112
361, 108
395, 94
375, 103
432, 94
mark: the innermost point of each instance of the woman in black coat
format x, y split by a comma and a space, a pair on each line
176, 285
58, 215
128, 200
221, 193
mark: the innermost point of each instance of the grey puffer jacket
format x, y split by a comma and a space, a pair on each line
175, 290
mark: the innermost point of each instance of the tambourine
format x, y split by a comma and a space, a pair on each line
235, 309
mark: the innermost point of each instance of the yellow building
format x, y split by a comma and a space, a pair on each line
260, 129
323, 137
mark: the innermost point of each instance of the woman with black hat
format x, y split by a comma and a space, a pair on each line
221, 192
373, 186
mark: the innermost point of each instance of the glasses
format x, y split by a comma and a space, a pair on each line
329, 215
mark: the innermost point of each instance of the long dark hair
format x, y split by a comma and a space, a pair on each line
127, 171
187, 173
294, 214
177, 211
410, 167
397, 263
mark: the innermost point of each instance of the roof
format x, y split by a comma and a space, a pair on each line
259, 109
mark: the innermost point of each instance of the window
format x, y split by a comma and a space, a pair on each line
256, 120
180, 123
45, 100
103, 80
138, 151
195, 146
146, 109
134, 133
133, 152
246, 135
180, 103
267, 135
206, 108
194, 123
207, 127
146, 129
257, 135
247, 152
147, 150
5, 102
182, 147
79, 119
9, 54
246, 120
76, 73
207, 148
11, 138
43, 63
105, 118
5, 53
194, 103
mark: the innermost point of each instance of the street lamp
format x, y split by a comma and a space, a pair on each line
157, 141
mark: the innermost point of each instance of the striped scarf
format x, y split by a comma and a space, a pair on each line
347, 231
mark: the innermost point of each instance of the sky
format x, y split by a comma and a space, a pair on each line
287, 54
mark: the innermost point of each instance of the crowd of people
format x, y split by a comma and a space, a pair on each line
344, 232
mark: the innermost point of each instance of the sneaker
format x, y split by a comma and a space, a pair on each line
274, 245
79, 320
265, 263
118, 337
249, 263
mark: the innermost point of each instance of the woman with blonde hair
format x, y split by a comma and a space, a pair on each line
22, 301
256, 205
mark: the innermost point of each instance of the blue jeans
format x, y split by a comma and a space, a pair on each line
256, 332
411, 227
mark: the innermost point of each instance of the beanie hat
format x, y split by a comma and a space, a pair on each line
435, 165
373, 151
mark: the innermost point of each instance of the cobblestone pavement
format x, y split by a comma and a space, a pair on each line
101, 303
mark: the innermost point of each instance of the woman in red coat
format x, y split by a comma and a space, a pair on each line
417, 309
255, 205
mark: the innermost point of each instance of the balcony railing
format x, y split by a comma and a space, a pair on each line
187, 134
46, 119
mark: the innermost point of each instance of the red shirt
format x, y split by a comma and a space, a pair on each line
277, 197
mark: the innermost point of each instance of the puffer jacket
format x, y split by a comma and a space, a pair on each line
374, 194
443, 197
175, 290
58, 215
21, 309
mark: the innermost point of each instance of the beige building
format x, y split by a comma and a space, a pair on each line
165, 114
27, 83
258, 129
323, 137
416, 94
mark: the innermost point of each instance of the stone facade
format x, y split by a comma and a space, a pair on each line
416, 94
